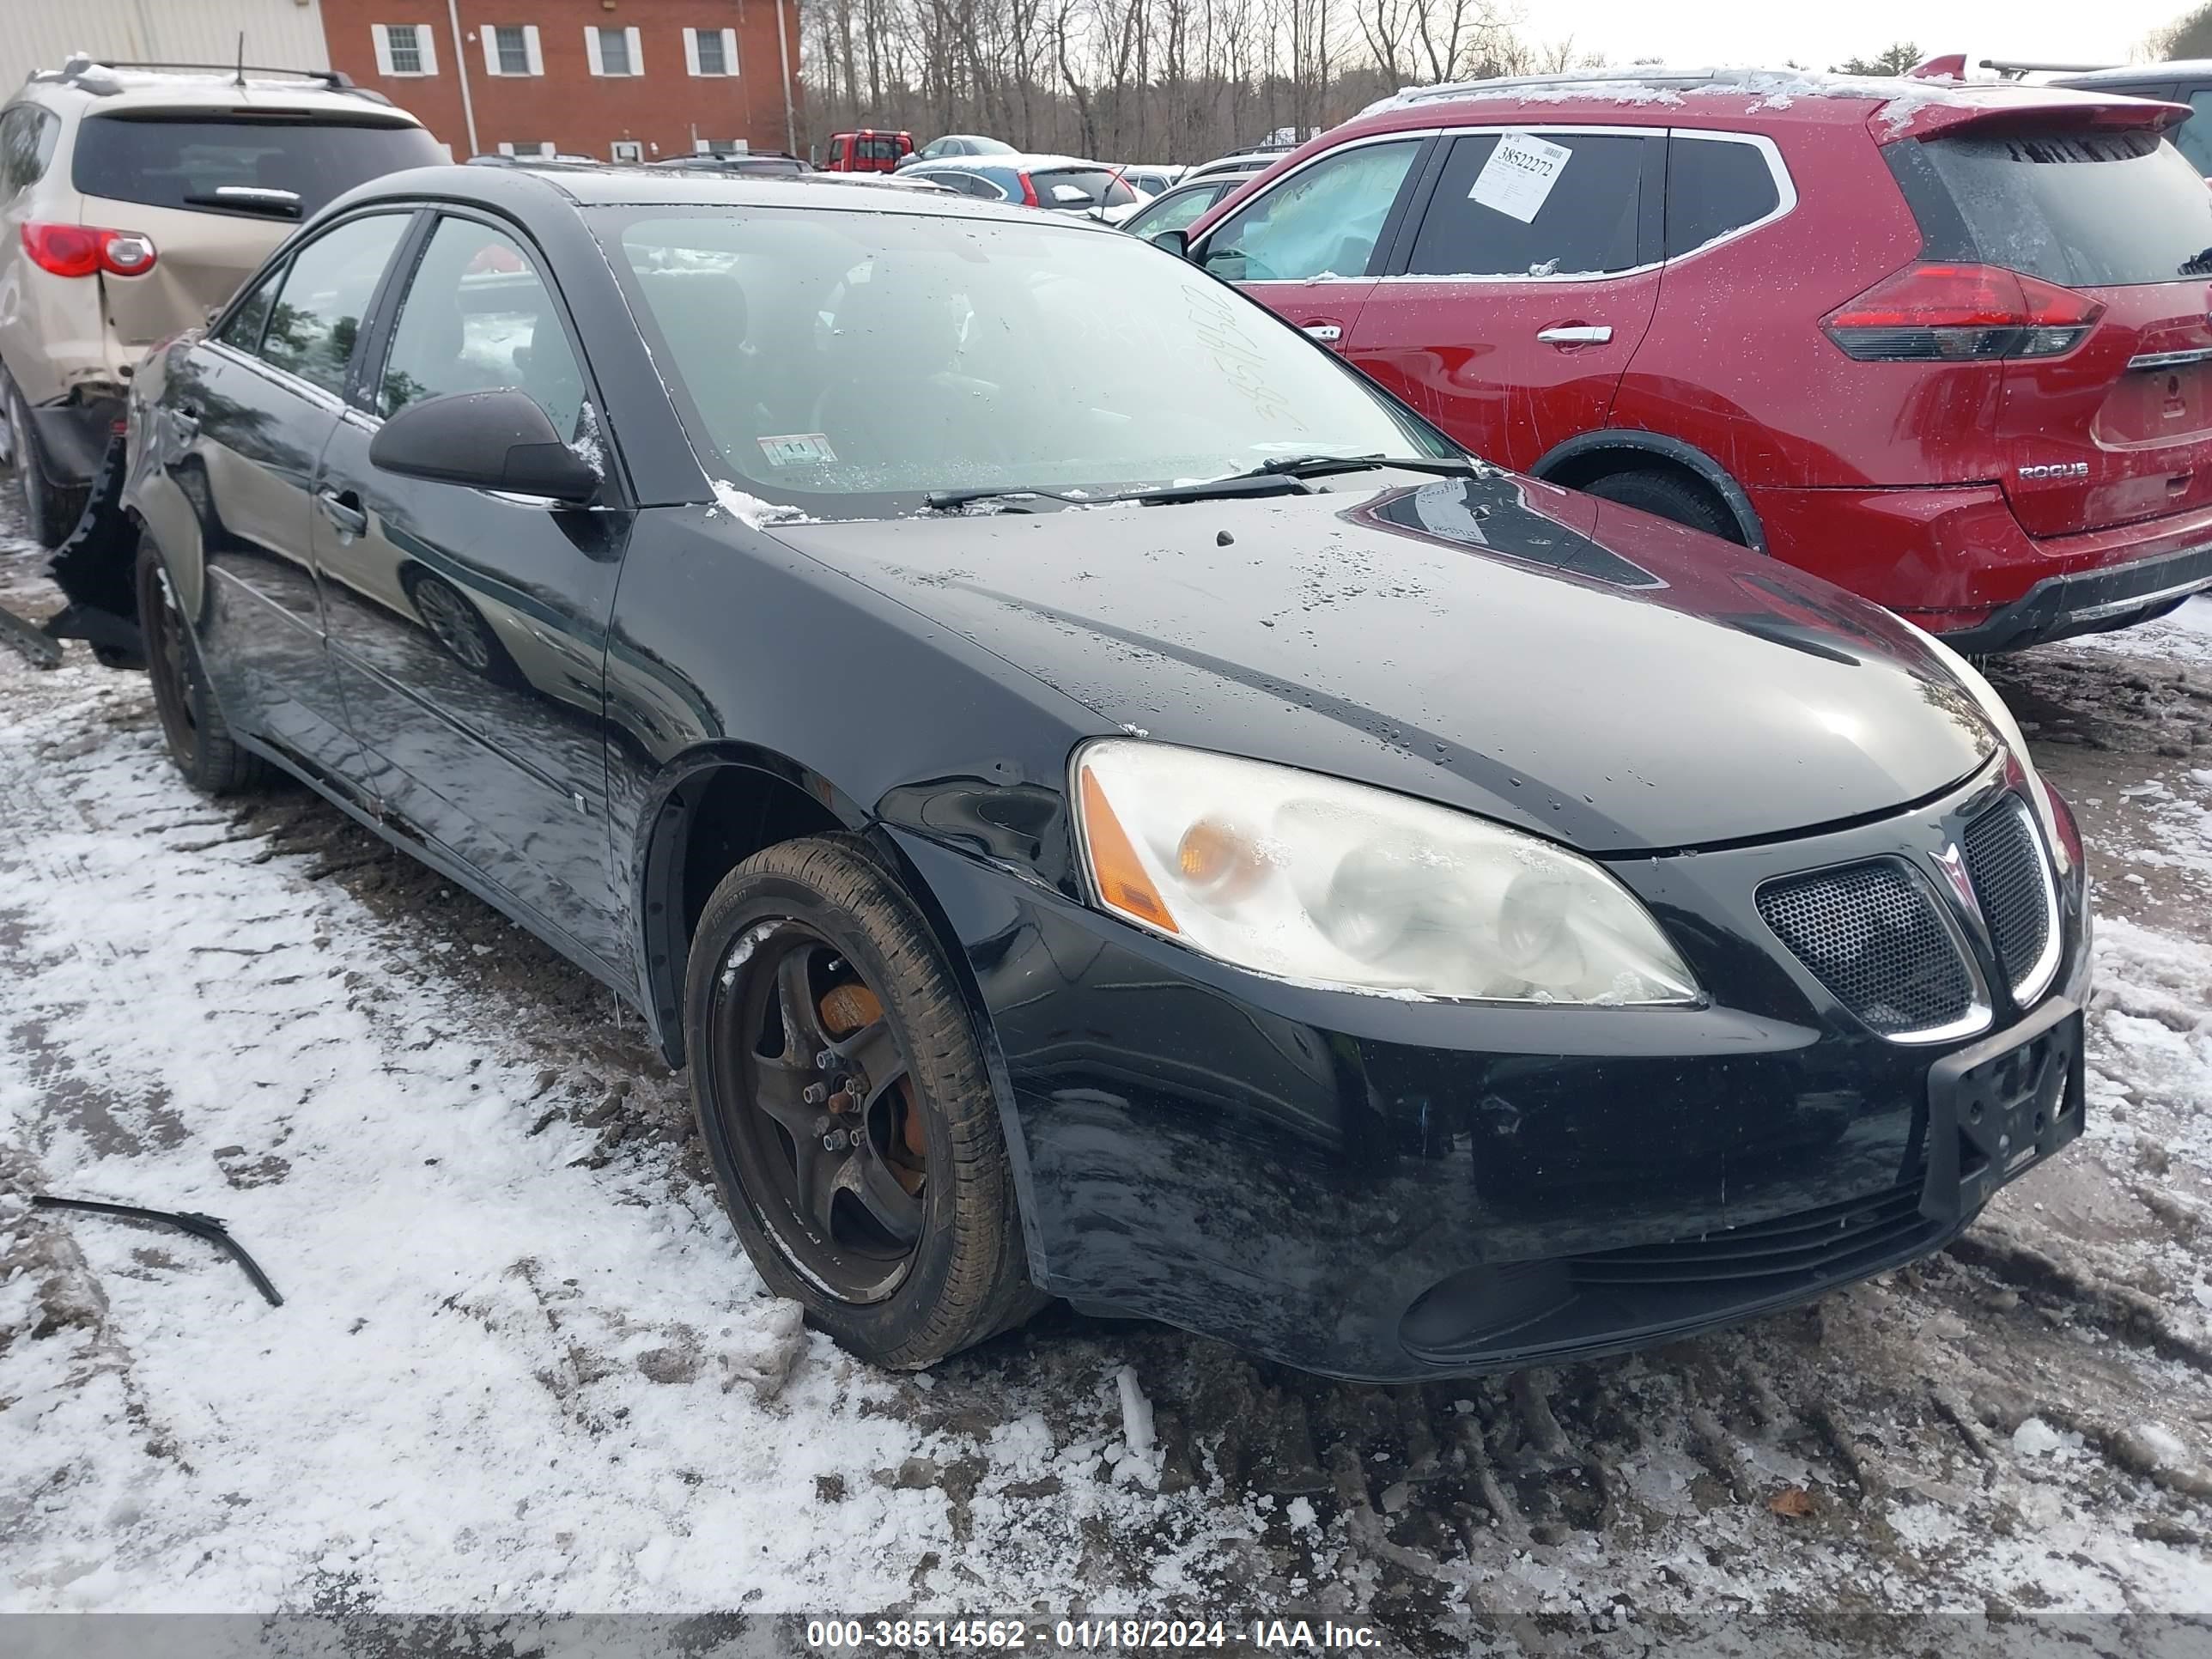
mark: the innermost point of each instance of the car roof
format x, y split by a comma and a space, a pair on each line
108, 86
1902, 107
524, 191
2125, 75
1022, 161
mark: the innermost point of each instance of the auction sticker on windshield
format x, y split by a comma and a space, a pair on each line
1519, 175
798, 449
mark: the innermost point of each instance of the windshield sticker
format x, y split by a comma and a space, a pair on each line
1518, 177
798, 449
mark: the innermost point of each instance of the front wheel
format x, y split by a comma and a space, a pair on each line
843, 1097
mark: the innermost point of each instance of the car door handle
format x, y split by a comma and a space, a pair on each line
349, 519
1327, 333
1567, 334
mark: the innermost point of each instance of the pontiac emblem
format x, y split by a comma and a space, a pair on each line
1952, 864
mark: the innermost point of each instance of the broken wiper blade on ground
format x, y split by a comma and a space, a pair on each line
209, 1227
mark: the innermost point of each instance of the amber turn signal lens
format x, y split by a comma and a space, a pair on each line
1217, 859
1122, 883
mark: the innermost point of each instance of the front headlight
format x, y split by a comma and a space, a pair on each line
1311, 878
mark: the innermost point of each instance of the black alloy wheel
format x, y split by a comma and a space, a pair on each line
844, 1101
199, 739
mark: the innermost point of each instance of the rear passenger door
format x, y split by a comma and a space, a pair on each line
1308, 246
1521, 286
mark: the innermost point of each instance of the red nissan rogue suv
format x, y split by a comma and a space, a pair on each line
1947, 346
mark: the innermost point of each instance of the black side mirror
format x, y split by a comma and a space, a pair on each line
1176, 242
485, 441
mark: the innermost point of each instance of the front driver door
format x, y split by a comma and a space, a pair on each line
1306, 247
1523, 290
469, 628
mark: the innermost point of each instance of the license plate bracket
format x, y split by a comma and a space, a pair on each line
1998, 1108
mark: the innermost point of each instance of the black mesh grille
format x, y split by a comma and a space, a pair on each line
2007, 866
1870, 933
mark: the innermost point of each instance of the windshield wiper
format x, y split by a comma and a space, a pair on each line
1288, 473
943, 499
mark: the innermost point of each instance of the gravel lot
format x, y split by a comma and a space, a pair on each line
522, 1364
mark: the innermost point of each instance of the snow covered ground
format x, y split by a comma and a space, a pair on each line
522, 1364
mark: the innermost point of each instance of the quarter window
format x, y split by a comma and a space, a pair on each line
27, 144
327, 291
243, 329
1582, 215
478, 317
1714, 185
1322, 221
2193, 137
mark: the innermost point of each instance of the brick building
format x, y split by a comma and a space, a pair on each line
617, 80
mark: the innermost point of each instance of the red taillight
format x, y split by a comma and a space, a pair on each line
82, 250
1960, 314
1028, 191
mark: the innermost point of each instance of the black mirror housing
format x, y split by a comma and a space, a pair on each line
1176, 242
485, 441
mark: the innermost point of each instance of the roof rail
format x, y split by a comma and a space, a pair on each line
2022, 66
81, 69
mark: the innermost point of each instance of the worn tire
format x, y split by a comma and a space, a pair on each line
1669, 495
199, 738
50, 510
967, 1280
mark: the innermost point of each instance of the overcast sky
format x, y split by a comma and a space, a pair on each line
1819, 35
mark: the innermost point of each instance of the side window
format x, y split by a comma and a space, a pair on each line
478, 318
1714, 185
1324, 221
27, 144
1556, 203
2193, 137
1178, 214
325, 293
836, 150
244, 328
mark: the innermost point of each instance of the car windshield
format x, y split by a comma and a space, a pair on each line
186, 160
851, 363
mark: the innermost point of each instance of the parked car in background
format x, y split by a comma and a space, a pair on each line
1567, 933
756, 163
1947, 345
133, 198
1239, 162
2188, 81
866, 150
1180, 207
1062, 183
954, 144
1148, 179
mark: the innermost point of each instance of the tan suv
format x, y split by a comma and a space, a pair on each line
133, 198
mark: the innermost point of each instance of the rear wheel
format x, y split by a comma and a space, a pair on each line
199, 738
1669, 494
49, 512
843, 1095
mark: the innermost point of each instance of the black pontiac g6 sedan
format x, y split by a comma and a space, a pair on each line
1107, 803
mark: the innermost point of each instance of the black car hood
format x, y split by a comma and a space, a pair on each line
1556, 661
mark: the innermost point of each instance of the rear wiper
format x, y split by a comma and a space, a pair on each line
249, 199
1286, 472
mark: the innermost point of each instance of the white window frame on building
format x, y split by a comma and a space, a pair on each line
494, 57
633, 49
721, 146
625, 149
543, 150
425, 43
693, 38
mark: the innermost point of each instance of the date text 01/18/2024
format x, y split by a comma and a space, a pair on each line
1009, 1635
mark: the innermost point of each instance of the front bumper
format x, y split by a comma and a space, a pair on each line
1390, 1190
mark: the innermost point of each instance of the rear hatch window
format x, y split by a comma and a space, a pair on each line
2083, 209
232, 161
1077, 188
